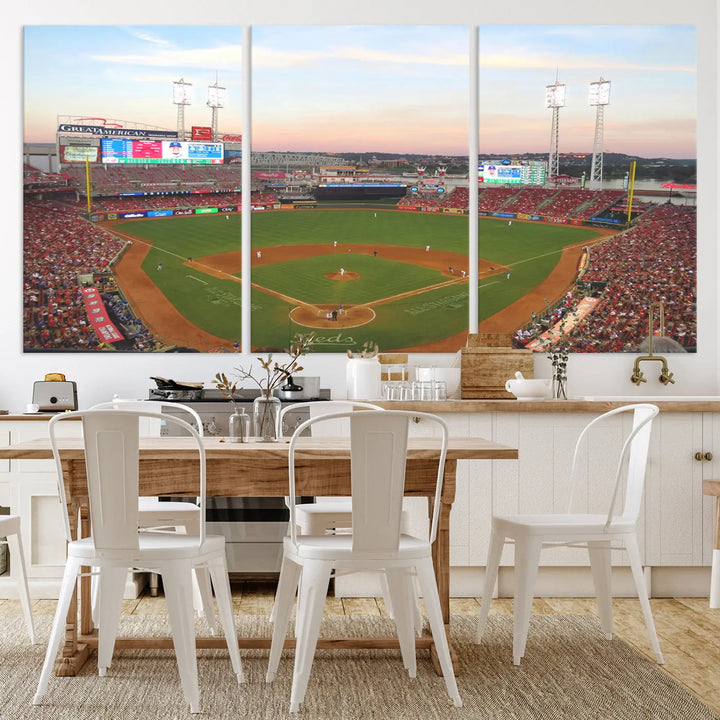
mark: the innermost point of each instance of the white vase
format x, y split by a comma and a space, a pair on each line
363, 379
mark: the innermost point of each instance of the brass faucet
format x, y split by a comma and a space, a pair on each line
665, 375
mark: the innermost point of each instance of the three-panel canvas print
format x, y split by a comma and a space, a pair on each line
408, 185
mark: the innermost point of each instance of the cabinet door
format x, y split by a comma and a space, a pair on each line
4, 468
458, 426
35, 499
710, 471
673, 509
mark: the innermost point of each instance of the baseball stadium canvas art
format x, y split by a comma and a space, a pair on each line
362, 196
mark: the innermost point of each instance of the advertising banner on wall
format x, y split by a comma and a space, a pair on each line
98, 317
79, 153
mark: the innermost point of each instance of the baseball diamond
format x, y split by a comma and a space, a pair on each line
352, 275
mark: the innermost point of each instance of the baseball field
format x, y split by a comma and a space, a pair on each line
396, 278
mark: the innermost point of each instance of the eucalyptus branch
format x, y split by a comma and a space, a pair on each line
275, 373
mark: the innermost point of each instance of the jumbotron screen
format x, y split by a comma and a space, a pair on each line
125, 151
500, 174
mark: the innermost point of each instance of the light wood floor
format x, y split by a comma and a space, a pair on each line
689, 631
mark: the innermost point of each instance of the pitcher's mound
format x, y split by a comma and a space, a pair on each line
343, 276
316, 316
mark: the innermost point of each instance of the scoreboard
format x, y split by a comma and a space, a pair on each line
124, 151
500, 174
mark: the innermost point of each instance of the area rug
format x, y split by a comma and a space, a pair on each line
570, 671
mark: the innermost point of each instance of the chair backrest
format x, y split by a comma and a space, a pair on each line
324, 407
633, 454
156, 407
111, 439
378, 453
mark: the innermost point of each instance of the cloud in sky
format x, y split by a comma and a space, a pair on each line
406, 85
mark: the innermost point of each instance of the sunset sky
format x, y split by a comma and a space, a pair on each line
396, 89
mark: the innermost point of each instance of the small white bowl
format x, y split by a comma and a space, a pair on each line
527, 389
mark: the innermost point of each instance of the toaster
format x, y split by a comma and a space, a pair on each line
55, 396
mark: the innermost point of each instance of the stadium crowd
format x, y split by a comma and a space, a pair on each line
655, 261
551, 202
59, 247
129, 178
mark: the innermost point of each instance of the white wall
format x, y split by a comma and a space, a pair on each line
98, 376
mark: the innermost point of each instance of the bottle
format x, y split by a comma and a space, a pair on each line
239, 427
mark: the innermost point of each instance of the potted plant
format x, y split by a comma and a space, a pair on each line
266, 407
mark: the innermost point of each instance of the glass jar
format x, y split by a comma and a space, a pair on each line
239, 427
266, 411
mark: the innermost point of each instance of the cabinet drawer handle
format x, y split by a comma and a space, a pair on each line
698, 456
708, 456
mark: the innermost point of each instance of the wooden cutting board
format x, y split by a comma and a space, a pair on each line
487, 367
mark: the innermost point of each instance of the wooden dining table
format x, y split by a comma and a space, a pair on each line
168, 466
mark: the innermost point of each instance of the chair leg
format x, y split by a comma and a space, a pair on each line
284, 599
428, 585
387, 598
202, 590
95, 595
497, 542
600, 564
715, 579
111, 582
286, 586
311, 603
636, 565
217, 567
417, 615
400, 590
18, 558
72, 566
527, 557
177, 581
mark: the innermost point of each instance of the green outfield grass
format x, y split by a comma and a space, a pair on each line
384, 227
305, 279
530, 249
206, 301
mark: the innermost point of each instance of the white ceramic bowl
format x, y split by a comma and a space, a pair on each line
528, 389
450, 376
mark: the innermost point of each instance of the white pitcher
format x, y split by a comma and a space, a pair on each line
363, 379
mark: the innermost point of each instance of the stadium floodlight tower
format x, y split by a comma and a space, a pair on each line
215, 101
599, 97
182, 96
554, 99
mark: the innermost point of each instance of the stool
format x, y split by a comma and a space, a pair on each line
712, 487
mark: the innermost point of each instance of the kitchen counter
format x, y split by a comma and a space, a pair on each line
596, 404
20, 417
589, 404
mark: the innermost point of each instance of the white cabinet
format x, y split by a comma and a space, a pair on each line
29, 487
679, 519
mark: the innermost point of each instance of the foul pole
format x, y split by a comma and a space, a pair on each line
631, 188
88, 186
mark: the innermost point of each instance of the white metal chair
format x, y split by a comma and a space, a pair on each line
329, 514
334, 514
182, 516
596, 532
378, 443
111, 441
10, 530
